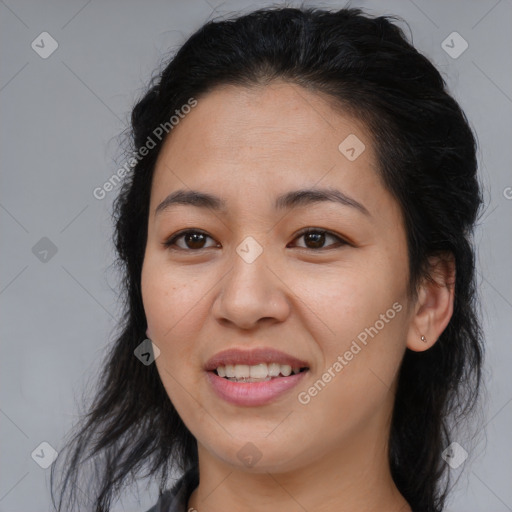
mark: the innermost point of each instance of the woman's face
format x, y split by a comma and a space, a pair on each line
336, 301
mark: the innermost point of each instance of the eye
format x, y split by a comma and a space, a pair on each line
316, 238
195, 240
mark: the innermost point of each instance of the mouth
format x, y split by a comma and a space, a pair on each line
261, 372
254, 377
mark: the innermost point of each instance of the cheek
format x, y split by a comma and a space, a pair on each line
355, 386
361, 352
172, 308
349, 301
171, 299
172, 303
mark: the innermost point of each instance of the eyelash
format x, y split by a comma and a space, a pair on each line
171, 241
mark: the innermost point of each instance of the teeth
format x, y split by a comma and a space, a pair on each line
261, 371
258, 371
274, 369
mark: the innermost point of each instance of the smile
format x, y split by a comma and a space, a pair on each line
253, 392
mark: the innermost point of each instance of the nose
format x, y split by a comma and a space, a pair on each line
252, 294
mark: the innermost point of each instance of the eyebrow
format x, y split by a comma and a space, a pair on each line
289, 200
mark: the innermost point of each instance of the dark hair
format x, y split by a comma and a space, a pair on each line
427, 158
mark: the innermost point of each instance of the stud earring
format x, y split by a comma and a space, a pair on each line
423, 339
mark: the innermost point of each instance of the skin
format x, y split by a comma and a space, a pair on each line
249, 145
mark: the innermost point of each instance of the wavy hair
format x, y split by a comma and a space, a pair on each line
427, 159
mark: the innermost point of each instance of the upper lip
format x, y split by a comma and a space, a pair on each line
252, 357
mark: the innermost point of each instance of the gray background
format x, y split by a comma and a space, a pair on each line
60, 119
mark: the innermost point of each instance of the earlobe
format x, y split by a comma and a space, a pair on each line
434, 305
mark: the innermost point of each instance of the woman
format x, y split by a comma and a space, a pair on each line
300, 329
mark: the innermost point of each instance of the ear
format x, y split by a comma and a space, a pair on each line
434, 306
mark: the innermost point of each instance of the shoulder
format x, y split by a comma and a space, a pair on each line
176, 499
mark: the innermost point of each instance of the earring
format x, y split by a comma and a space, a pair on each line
423, 339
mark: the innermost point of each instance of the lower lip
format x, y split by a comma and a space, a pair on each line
253, 393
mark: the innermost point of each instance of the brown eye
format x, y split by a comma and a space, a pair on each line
193, 240
315, 238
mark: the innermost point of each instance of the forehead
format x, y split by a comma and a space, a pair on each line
265, 140
268, 119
